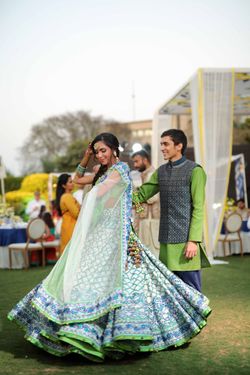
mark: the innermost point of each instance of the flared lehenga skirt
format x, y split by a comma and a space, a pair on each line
156, 310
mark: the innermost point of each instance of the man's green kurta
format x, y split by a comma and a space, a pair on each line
172, 255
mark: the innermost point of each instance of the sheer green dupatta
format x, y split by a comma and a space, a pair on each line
87, 280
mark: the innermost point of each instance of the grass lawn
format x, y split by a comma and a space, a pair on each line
223, 347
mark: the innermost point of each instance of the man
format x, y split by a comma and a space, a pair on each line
181, 184
34, 206
242, 209
148, 219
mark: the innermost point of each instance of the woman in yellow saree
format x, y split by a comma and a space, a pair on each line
68, 208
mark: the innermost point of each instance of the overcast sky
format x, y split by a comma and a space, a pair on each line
68, 55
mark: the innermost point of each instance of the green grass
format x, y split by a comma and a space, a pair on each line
223, 347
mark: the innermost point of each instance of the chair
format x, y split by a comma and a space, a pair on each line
35, 231
54, 243
233, 225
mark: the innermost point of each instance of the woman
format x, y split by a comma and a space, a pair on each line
67, 207
49, 235
108, 295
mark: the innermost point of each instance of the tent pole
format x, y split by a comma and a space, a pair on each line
3, 190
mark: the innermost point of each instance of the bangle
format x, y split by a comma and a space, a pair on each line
80, 169
135, 200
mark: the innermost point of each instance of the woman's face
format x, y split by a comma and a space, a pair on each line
69, 185
103, 153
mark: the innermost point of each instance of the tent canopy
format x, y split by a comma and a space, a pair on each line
180, 103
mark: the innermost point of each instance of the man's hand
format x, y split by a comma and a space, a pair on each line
191, 250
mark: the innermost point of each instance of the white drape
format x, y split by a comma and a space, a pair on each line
212, 94
160, 124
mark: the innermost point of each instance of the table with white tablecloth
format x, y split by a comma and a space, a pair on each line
10, 235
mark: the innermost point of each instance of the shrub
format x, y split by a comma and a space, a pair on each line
33, 182
12, 183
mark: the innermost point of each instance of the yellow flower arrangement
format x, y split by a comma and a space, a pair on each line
230, 206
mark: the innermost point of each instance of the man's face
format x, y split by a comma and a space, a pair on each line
169, 149
241, 205
139, 163
37, 196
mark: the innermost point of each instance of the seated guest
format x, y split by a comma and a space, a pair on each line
42, 210
49, 235
54, 212
244, 212
34, 206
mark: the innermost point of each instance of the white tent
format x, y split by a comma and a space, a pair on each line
212, 97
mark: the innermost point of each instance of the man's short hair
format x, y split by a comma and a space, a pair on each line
240, 200
143, 153
177, 136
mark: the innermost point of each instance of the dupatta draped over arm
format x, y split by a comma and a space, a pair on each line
88, 278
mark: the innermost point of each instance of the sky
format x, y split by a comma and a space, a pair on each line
69, 55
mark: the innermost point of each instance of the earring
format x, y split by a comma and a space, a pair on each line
115, 155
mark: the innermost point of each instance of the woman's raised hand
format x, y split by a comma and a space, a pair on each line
87, 155
88, 151
81, 168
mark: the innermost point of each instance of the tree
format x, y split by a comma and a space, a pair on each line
74, 153
50, 141
241, 132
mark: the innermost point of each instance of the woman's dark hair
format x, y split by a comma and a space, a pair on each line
112, 142
60, 190
42, 210
177, 136
47, 218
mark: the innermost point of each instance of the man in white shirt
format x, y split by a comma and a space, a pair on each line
147, 222
242, 209
34, 206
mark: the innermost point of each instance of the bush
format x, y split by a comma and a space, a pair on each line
33, 182
12, 183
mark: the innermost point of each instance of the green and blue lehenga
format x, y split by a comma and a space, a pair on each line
98, 301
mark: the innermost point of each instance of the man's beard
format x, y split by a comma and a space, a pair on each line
142, 168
